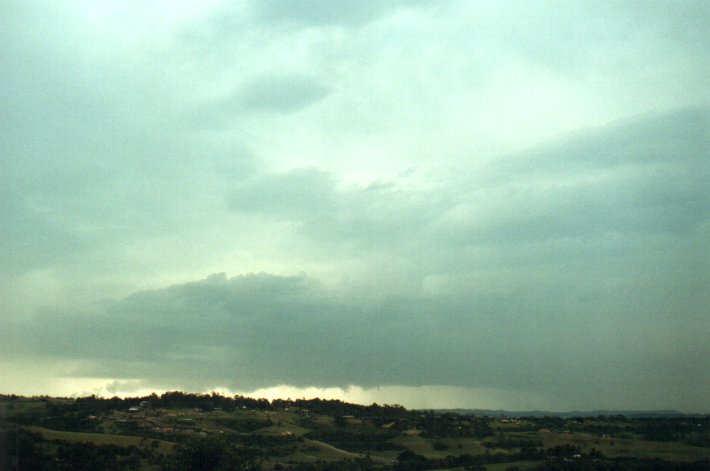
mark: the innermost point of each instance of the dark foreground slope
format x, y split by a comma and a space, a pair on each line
179, 431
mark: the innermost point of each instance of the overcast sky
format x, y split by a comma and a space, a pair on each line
437, 204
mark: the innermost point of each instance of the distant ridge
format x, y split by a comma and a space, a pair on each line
594, 413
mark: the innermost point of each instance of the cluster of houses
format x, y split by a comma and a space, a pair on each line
155, 420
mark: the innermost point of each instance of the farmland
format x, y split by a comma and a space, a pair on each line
178, 431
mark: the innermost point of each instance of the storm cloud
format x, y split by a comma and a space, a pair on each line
508, 198
251, 331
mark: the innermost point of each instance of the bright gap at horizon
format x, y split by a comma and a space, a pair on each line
423, 397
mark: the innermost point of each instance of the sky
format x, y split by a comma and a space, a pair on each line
427, 203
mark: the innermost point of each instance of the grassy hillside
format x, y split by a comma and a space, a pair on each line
103, 439
166, 432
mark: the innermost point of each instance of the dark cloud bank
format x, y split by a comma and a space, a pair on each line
587, 280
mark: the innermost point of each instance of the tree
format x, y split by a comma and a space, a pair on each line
213, 454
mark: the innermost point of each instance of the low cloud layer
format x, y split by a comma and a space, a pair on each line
252, 332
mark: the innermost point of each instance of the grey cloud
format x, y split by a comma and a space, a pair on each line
278, 93
599, 37
648, 176
259, 330
645, 177
281, 93
61, 82
298, 194
564, 279
91, 160
679, 136
683, 22
324, 13
627, 205
594, 216
30, 237
380, 215
582, 262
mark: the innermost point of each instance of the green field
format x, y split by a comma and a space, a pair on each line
617, 447
101, 439
315, 435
